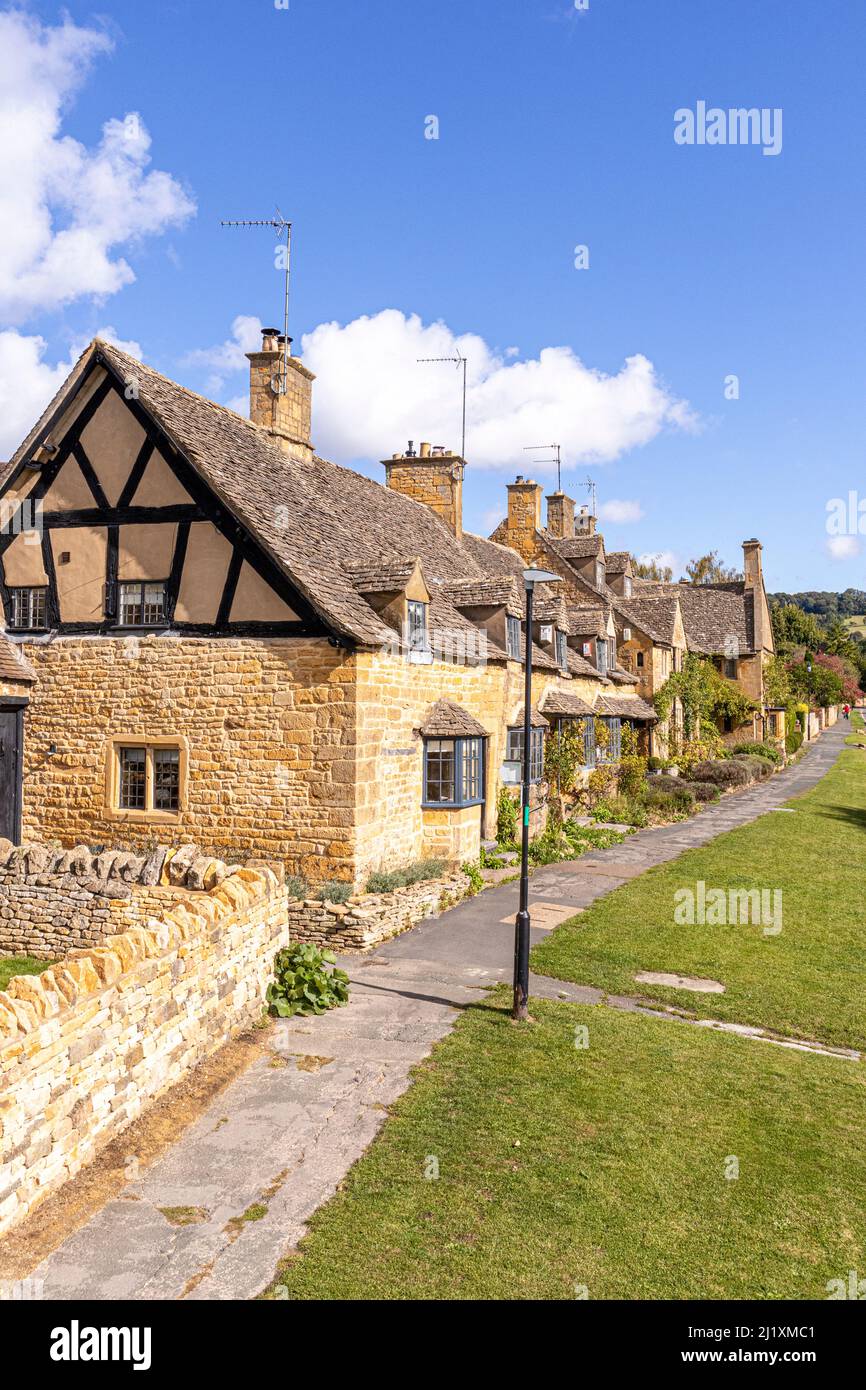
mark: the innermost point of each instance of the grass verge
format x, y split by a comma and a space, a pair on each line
604, 1168
808, 981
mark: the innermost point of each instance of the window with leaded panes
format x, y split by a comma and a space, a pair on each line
514, 751
141, 604
418, 635
561, 649
133, 779
512, 638
148, 778
29, 607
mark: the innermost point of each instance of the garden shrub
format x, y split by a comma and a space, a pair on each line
600, 783
632, 775
703, 791
675, 803
297, 887
386, 880
333, 892
793, 741
303, 984
507, 812
758, 767
760, 750
628, 810
723, 772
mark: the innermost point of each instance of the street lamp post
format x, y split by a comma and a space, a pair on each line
531, 577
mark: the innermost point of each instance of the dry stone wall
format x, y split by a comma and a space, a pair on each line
86, 1045
53, 901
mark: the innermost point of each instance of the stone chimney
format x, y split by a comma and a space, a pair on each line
281, 401
584, 524
560, 515
434, 476
752, 570
753, 576
524, 517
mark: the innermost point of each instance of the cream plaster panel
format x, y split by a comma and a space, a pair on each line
111, 441
159, 487
81, 581
256, 602
69, 491
204, 574
145, 552
22, 562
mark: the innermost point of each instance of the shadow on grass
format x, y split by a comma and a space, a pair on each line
851, 815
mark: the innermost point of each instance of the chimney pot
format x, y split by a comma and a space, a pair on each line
425, 450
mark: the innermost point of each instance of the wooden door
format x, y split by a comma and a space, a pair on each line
11, 762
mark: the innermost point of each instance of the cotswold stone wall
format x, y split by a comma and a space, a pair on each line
394, 696
370, 918
268, 728
53, 901
86, 1045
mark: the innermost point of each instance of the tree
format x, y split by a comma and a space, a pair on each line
820, 686
793, 628
650, 568
709, 569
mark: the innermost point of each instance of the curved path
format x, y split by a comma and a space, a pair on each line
283, 1135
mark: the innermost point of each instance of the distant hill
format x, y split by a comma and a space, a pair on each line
824, 604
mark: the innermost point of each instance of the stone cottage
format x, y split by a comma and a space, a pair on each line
232, 640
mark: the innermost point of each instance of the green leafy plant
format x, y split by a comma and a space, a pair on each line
631, 776
473, 872
297, 887
506, 818
563, 755
303, 984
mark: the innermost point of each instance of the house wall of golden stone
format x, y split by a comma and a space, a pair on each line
266, 728
394, 698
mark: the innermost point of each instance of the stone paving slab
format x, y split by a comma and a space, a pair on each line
283, 1134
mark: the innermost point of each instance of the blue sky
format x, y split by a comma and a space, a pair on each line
555, 129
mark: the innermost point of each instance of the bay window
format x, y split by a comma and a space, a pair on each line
453, 772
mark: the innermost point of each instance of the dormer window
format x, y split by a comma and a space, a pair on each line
599, 574
561, 649
418, 635
626, 586
512, 638
601, 656
141, 604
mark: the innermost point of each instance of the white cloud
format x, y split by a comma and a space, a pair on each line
65, 209
27, 381
843, 547
621, 511
226, 358
665, 559
371, 395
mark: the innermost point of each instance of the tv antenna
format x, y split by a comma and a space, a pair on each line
458, 361
591, 489
556, 458
280, 226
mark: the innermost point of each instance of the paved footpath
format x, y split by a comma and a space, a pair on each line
284, 1134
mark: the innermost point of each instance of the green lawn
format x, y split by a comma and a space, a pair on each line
808, 981
20, 965
602, 1167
